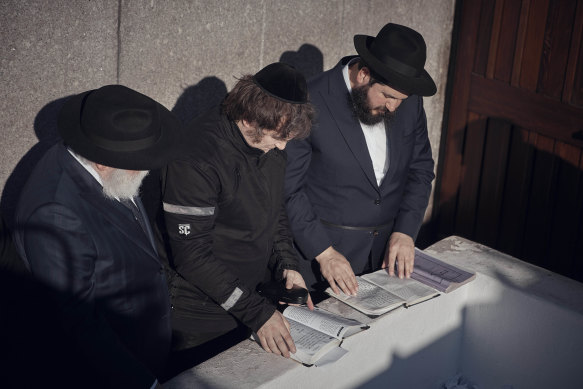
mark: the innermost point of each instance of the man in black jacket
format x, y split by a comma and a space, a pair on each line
225, 214
81, 233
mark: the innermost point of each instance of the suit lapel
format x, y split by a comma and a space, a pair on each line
149, 231
337, 103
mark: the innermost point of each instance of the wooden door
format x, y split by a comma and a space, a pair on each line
512, 148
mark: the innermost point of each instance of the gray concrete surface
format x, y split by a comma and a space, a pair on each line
185, 54
514, 326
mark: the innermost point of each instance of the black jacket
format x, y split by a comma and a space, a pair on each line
105, 281
227, 225
330, 177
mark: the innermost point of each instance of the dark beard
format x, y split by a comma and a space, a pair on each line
361, 109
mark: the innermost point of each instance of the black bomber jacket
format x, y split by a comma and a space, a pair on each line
227, 225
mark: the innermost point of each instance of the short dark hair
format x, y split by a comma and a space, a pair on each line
249, 102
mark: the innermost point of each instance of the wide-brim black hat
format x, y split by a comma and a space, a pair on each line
397, 56
119, 127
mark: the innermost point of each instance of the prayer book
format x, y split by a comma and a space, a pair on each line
318, 334
379, 293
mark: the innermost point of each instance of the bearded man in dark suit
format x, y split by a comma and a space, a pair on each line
358, 186
81, 233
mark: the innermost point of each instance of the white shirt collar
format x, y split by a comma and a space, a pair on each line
345, 73
87, 167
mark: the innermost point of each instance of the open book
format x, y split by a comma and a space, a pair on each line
379, 293
317, 334
438, 274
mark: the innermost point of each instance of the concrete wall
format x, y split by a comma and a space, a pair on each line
184, 54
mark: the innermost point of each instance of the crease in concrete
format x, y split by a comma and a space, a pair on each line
118, 59
262, 47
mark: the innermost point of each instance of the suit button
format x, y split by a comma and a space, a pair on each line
377, 202
375, 233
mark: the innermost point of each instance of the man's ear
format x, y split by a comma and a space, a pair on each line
101, 168
363, 76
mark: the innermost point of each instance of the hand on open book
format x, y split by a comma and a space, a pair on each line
337, 271
292, 278
274, 336
400, 251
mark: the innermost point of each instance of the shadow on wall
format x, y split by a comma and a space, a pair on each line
45, 128
196, 99
308, 59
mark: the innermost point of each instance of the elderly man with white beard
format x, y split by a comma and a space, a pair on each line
81, 233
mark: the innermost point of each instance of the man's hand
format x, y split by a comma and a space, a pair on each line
274, 336
337, 271
401, 249
292, 278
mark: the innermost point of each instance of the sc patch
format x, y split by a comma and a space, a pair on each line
184, 229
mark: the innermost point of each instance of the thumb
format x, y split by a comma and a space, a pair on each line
289, 282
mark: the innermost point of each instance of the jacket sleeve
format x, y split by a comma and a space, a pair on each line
418, 186
190, 207
309, 234
283, 256
62, 255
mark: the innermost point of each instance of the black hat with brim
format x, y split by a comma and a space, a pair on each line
397, 56
118, 127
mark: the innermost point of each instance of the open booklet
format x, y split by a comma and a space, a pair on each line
318, 334
379, 293
438, 274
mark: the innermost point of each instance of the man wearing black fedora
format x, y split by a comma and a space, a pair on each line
81, 234
225, 215
358, 186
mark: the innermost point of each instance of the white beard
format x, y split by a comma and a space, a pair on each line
123, 184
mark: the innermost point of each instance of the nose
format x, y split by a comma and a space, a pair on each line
392, 104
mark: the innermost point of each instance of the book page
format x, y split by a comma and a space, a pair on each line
308, 341
331, 356
370, 299
438, 274
408, 289
321, 320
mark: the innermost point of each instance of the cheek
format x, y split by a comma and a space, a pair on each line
375, 102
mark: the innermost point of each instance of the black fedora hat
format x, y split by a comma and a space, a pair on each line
119, 127
283, 82
397, 56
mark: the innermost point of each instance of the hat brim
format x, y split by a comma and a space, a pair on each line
421, 85
156, 156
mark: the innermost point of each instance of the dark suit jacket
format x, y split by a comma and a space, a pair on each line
105, 277
330, 177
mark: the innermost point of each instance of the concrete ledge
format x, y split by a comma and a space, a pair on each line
499, 331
